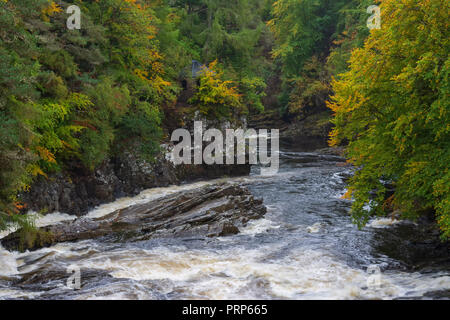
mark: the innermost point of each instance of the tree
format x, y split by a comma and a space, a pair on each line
313, 39
392, 108
234, 33
215, 97
75, 96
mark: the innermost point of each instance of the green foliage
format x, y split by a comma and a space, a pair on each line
313, 41
60, 62
144, 122
351, 31
110, 105
392, 108
233, 33
76, 95
300, 28
310, 89
226, 30
52, 85
253, 90
18, 71
215, 97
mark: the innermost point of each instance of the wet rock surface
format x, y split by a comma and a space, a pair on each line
417, 246
78, 191
205, 212
307, 133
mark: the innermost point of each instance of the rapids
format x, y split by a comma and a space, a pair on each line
304, 248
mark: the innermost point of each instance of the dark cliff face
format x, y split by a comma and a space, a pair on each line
307, 134
77, 192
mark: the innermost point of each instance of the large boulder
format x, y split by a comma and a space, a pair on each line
211, 211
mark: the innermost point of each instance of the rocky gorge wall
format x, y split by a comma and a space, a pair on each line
78, 190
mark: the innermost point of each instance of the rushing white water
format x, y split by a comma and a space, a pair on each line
41, 221
382, 222
233, 273
8, 263
304, 248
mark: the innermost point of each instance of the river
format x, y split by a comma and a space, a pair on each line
305, 248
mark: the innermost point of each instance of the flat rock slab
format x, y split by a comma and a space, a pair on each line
211, 211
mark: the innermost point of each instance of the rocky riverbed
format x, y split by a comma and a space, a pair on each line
210, 211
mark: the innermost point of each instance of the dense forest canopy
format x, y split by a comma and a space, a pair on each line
73, 98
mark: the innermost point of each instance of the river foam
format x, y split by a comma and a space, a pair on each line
304, 248
238, 273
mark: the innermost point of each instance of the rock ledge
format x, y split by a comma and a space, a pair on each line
211, 211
